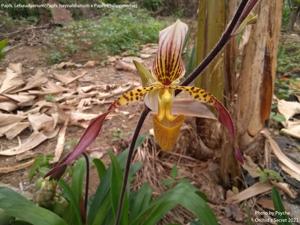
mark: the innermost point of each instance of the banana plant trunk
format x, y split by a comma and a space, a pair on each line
242, 76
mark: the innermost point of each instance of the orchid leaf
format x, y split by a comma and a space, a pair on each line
144, 73
15, 205
180, 195
78, 172
102, 201
73, 212
101, 170
140, 200
116, 185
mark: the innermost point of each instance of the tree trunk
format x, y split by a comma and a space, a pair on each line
249, 73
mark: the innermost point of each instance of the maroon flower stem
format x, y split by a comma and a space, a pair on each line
87, 183
128, 162
218, 47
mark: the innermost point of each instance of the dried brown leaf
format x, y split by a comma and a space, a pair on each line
280, 155
121, 65
8, 106
19, 166
60, 142
67, 78
22, 98
266, 203
250, 166
35, 139
292, 129
292, 173
64, 65
7, 119
40, 122
90, 63
288, 109
256, 189
13, 78
286, 189
34, 82
16, 129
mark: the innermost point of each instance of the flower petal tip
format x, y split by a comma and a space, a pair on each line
224, 117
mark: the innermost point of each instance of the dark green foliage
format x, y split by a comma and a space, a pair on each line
152, 5
288, 57
286, 11
10, 6
17, 206
140, 208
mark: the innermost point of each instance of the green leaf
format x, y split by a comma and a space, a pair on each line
116, 185
174, 172
4, 218
280, 213
105, 185
18, 222
3, 44
100, 168
78, 172
183, 194
140, 200
18, 206
102, 211
73, 214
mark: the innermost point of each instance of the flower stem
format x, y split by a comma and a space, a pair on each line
128, 162
227, 34
87, 183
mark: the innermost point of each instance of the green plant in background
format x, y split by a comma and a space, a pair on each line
266, 175
3, 44
67, 206
119, 31
40, 166
20, 12
286, 11
117, 134
288, 57
151, 5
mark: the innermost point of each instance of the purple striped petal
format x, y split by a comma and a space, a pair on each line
168, 65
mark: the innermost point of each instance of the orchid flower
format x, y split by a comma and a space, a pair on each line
159, 87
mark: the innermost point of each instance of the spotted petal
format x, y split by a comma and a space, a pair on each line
202, 96
168, 65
